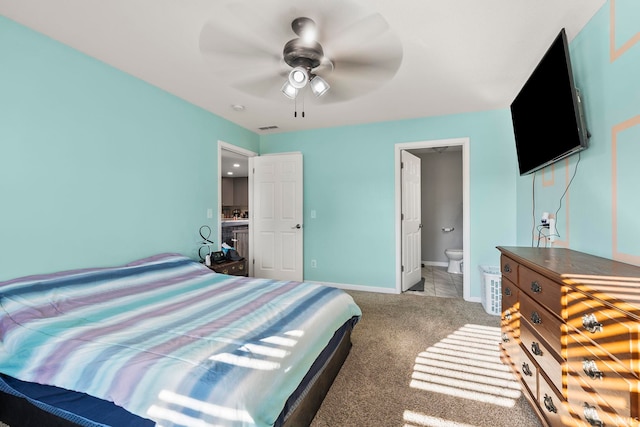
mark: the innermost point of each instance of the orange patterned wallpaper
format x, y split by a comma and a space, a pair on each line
614, 54
617, 255
614, 51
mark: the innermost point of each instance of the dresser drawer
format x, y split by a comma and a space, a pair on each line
542, 290
510, 345
509, 268
555, 408
606, 327
510, 312
545, 324
597, 369
539, 351
527, 370
589, 408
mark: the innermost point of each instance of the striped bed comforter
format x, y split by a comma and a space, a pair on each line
168, 339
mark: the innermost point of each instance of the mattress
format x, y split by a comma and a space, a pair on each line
169, 341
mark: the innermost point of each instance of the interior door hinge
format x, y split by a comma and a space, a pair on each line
401, 217
402, 268
401, 165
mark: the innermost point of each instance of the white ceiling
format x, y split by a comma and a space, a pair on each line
235, 163
457, 55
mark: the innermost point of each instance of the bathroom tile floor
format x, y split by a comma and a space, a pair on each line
439, 283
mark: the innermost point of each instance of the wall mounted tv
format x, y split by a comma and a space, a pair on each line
547, 116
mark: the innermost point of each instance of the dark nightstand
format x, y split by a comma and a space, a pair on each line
232, 268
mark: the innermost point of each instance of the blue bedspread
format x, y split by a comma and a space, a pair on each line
169, 340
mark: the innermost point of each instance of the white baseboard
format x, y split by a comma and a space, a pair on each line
436, 263
349, 287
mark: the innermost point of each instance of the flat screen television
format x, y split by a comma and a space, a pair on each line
547, 113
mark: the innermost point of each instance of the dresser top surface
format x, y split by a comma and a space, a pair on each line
611, 281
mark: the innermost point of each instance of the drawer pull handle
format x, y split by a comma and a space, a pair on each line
507, 268
591, 324
526, 370
535, 318
505, 337
591, 369
507, 315
548, 403
536, 288
535, 348
591, 415
507, 291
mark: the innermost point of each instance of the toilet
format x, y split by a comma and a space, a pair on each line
455, 260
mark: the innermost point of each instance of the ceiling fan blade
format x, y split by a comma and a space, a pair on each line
222, 40
386, 56
266, 21
230, 57
364, 69
345, 87
265, 86
272, 19
353, 36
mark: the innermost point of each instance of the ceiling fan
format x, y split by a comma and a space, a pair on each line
304, 54
341, 51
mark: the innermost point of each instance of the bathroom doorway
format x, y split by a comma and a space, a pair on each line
445, 217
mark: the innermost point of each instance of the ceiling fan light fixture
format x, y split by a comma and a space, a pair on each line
298, 77
319, 86
289, 91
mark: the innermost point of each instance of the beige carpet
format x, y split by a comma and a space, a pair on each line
424, 361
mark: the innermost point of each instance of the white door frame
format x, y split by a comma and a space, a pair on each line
466, 239
243, 152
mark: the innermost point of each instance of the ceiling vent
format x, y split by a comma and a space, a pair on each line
268, 127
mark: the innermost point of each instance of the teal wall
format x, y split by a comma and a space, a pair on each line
96, 166
349, 181
99, 168
599, 213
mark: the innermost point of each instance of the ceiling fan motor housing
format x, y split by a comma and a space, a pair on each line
298, 53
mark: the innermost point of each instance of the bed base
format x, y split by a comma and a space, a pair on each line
304, 413
19, 412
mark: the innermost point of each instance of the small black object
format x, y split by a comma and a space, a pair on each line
218, 257
233, 255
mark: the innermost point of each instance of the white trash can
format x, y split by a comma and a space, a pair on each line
491, 289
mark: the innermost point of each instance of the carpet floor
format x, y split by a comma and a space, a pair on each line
424, 361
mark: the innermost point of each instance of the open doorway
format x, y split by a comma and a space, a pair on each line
234, 197
453, 145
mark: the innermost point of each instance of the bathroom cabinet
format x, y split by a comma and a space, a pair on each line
570, 332
235, 192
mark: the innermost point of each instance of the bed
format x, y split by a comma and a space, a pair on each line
166, 341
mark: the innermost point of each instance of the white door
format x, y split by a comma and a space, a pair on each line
411, 220
277, 216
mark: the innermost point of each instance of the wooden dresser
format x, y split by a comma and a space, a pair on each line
571, 331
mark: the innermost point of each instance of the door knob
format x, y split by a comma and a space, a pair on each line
297, 226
